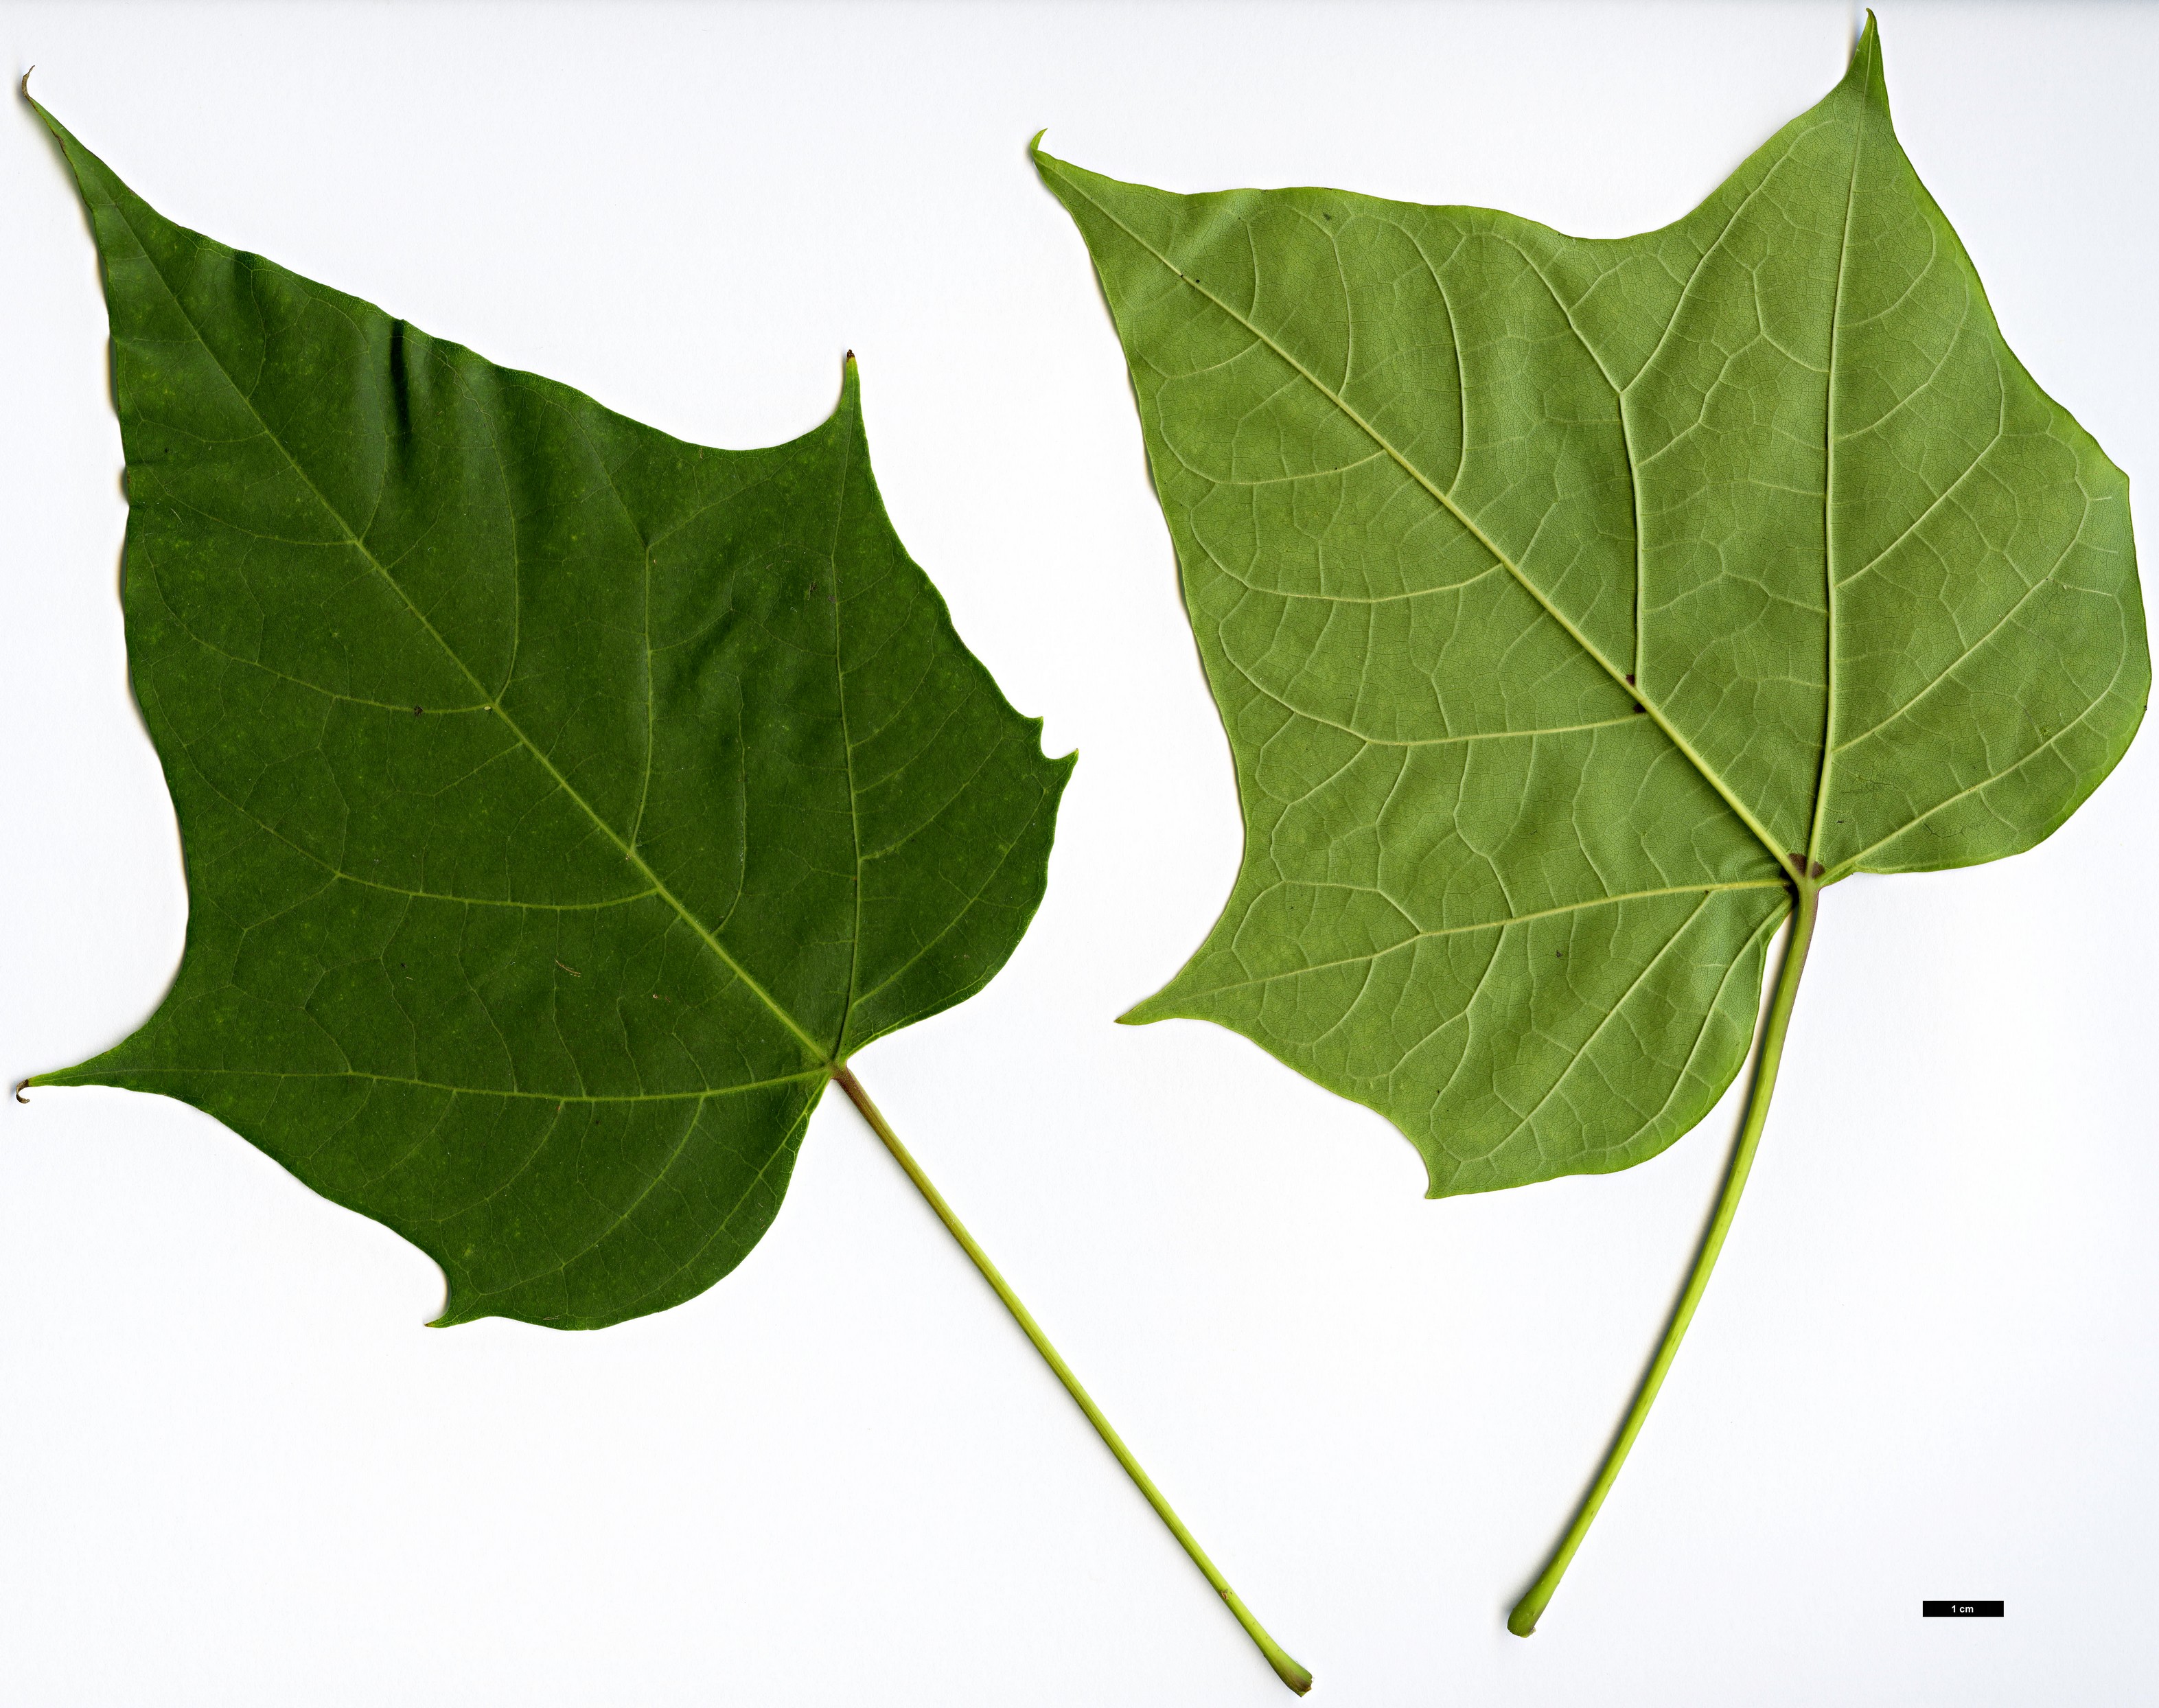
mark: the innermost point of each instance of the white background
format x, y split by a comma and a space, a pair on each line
234, 1469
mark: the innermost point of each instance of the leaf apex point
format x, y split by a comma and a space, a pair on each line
1866, 62
452, 1314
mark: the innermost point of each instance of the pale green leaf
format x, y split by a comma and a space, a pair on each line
1569, 602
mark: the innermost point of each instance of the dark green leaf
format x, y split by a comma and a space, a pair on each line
1569, 602
562, 804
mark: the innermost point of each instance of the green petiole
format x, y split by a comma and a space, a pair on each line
1524, 1619
1286, 1668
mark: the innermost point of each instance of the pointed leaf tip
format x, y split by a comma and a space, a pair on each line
37, 106
1865, 64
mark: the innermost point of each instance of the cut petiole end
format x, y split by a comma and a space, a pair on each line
1286, 1665
1523, 1620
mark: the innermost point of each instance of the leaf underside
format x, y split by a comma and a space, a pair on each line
1565, 600
561, 802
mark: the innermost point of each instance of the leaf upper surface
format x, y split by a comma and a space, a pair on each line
1567, 599
561, 802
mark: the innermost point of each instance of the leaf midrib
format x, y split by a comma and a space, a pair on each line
1648, 704
1830, 436
820, 1056
846, 731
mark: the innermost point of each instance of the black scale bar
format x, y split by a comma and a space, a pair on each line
1961, 1610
